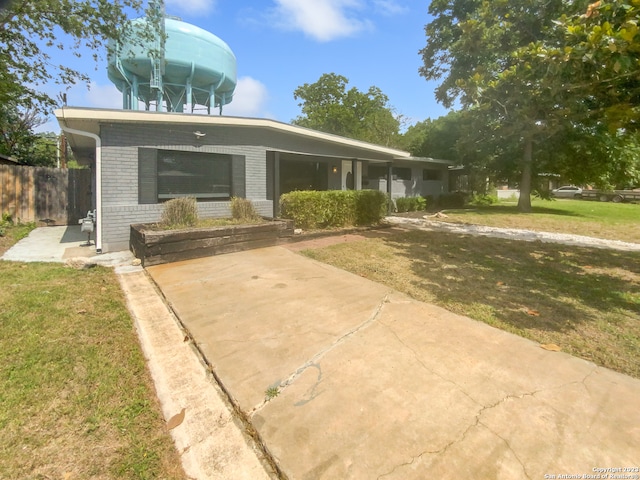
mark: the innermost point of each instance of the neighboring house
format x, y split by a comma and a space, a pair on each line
141, 159
5, 160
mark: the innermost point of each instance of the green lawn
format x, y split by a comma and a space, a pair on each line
585, 300
76, 399
613, 221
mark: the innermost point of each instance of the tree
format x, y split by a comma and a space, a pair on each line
476, 48
29, 29
328, 106
18, 140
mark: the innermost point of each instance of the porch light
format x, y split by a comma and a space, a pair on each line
334, 169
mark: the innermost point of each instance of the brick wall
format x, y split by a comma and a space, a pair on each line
120, 204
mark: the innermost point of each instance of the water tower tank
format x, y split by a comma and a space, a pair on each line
195, 68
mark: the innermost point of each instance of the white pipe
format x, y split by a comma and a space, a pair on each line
98, 181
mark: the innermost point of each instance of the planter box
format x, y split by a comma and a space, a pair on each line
154, 247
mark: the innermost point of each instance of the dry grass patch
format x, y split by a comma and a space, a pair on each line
77, 400
587, 301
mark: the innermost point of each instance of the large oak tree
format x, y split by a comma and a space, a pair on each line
532, 73
328, 106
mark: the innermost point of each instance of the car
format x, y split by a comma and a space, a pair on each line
567, 191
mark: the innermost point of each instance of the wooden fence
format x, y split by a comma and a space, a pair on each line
47, 196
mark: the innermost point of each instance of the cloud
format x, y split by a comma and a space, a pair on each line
322, 20
249, 100
190, 7
102, 96
389, 7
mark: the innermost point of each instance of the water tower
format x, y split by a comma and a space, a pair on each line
183, 67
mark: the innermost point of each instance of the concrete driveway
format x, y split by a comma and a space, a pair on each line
372, 384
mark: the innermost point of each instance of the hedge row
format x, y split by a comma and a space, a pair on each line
334, 208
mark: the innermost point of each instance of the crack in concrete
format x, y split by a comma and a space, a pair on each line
313, 361
427, 368
524, 469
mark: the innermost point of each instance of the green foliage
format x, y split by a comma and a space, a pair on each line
333, 208
483, 200
30, 29
243, 209
328, 106
452, 200
5, 222
180, 213
18, 140
547, 87
411, 204
271, 393
437, 138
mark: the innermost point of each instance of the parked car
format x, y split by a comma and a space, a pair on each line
567, 191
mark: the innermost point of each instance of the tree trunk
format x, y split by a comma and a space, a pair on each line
524, 202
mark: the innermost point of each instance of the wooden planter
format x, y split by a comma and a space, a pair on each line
154, 247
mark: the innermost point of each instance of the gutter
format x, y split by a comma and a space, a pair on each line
98, 180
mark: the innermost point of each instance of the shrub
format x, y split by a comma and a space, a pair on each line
371, 206
452, 200
482, 200
5, 221
243, 209
411, 204
333, 208
179, 213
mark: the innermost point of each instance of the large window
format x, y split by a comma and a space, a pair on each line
200, 175
401, 173
375, 171
431, 174
166, 174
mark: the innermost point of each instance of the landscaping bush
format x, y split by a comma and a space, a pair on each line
243, 209
452, 200
371, 206
411, 204
483, 200
180, 213
5, 221
333, 208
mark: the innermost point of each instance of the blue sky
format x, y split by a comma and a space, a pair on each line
282, 44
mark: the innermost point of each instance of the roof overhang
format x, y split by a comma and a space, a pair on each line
90, 119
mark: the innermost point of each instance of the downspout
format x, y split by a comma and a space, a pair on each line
98, 181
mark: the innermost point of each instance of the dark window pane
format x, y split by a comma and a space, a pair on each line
430, 174
201, 175
376, 172
402, 173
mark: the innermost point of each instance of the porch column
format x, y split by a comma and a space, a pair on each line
276, 184
389, 187
354, 172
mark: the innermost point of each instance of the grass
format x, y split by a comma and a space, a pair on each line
12, 233
612, 221
587, 301
211, 222
77, 400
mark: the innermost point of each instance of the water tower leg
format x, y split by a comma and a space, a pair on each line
212, 99
159, 100
134, 94
189, 95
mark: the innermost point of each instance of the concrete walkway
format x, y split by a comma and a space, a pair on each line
343, 378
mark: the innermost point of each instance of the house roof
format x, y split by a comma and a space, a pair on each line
6, 160
89, 120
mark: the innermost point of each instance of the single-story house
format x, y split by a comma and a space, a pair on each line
141, 159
